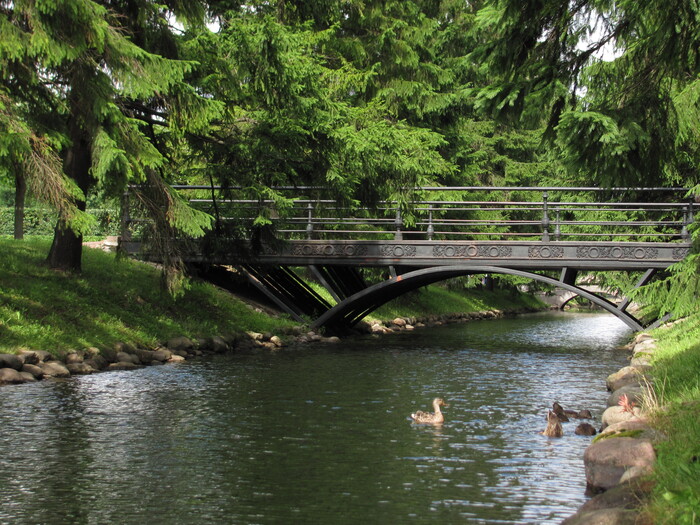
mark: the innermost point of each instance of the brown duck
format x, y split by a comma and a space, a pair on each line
431, 417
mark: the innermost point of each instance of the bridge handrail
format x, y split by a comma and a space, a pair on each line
547, 219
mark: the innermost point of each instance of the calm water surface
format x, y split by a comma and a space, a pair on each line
318, 434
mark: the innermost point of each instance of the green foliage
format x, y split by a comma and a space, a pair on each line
627, 120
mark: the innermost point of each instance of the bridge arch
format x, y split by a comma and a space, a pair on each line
349, 311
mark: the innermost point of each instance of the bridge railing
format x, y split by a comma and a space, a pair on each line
453, 213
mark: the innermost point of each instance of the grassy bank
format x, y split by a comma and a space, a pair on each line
676, 361
122, 300
435, 300
110, 301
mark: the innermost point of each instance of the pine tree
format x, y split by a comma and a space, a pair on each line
98, 78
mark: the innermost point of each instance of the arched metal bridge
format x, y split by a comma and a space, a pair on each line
551, 235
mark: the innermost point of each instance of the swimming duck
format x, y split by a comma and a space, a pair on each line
554, 428
430, 417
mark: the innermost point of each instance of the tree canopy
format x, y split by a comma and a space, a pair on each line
370, 98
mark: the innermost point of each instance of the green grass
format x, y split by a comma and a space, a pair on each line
676, 497
109, 301
437, 300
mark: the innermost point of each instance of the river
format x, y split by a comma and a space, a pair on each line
318, 433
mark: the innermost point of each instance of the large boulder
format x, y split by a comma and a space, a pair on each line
10, 376
634, 393
606, 461
629, 375
11, 361
617, 414
637, 428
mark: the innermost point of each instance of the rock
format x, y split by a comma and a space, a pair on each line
124, 347
256, 336
585, 429
637, 428
123, 365
634, 394
399, 322
11, 361
333, 339
30, 357
109, 354
82, 368
54, 369
218, 345
648, 346
144, 355
10, 376
35, 370
28, 378
98, 362
162, 355
378, 329
91, 352
617, 414
627, 495
629, 375
606, 461
44, 355
180, 343
73, 357
643, 336
603, 517
275, 340
642, 360
128, 358
175, 359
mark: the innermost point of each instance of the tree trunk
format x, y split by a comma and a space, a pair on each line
20, 194
67, 248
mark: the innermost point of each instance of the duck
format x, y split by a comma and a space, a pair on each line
434, 418
554, 428
560, 412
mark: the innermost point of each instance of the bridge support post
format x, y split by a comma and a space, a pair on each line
545, 218
644, 279
568, 276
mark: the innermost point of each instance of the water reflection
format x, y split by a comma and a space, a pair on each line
317, 434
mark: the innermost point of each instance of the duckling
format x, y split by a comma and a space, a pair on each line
553, 426
429, 417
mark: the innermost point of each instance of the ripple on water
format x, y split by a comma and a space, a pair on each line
318, 434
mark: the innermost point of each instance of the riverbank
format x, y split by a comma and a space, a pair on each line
121, 302
644, 465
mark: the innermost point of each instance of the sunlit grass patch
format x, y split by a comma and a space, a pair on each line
677, 382
111, 300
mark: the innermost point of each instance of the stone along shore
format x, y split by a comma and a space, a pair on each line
619, 459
